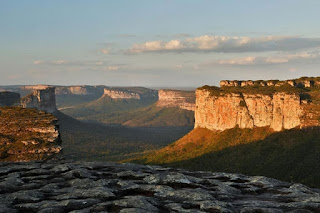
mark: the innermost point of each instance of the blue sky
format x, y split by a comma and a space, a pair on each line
157, 43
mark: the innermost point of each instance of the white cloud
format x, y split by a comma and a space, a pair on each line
303, 56
105, 51
112, 68
227, 44
178, 66
57, 62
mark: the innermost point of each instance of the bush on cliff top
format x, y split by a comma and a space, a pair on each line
256, 89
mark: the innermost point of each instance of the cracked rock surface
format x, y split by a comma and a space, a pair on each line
82, 187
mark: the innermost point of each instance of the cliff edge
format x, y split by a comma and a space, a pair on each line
42, 99
278, 107
28, 134
177, 98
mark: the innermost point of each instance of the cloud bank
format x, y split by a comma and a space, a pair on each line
302, 56
225, 44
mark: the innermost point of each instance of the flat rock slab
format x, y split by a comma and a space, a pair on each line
60, 186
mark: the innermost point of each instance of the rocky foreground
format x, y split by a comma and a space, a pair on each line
109, 187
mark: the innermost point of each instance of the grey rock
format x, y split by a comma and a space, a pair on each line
109, 187
136, 202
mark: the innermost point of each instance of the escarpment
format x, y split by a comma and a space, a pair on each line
28, 134
83, 90
42, 99
278, 107
116, 94
138, 93
175, 98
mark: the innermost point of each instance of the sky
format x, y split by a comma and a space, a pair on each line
158, 43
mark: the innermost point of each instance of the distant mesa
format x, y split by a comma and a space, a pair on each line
41, 99
176, 98
79, 90
118, 94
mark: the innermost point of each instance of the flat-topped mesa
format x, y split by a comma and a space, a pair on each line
278, 108
304, 82
43, 99
35, 87
9, 98
78, 90
176, 98
121, 94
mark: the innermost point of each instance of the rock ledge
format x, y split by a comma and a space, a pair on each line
109, 187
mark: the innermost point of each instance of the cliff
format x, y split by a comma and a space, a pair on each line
109, 187
118, 94
43, 99
277, 107
27, 134
9, 98
176, 98
79, 90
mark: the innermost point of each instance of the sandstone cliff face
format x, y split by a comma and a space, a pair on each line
9, 98
175, 98
28, 134
118, 94
220, 112
43, 99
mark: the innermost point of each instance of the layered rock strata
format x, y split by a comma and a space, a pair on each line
175, 98
79, 90
220, 112
43, 99
28, 134
9, 98
109, 187
119, 94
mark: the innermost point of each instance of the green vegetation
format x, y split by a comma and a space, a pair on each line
255, 89
70, 100
292, 155
91, 141
106, 105
151, 116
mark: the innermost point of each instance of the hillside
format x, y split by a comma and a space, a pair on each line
114, 100
138, 107
266, 128
105, 105
291, 155
91, 141
151, 116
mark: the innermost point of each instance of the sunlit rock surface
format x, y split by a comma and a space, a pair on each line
177, 98
109, 187
42, 99
28, 134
